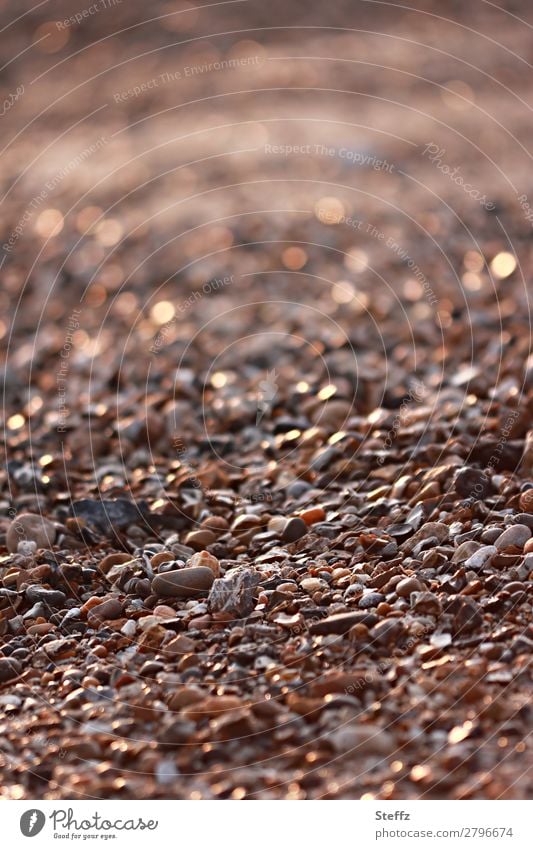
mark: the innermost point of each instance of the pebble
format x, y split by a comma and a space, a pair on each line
465, 550
9, 669
313, 515
294, 530
341, 623
116, 558
481, 557
109, 609
200, 539
30, 527
312, 585
371, 600
516, 535
54, 598
472, 483
406, 586
183, 583
438, 530
204, 558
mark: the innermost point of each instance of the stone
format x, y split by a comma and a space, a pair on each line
116, 558
313, 515
465, 550
107, 514
54, 598
200, 539
234, 594
313, 585
472, 483
9, 669
30, 527
294, 529
203, 558
430, 529
341, 623
183, 583
109, 609
406, 586
481, 557
516, 535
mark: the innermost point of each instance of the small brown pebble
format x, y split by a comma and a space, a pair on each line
203, 558
179, 645
183, 583
406, 586
313, 515
161, 557
114, 559
217, 524
110, 609
164, 610
200, 539
213, 706
32, 528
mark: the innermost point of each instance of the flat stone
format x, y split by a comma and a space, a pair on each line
54, 598
516, 535
481, 557
341, 623
183, 583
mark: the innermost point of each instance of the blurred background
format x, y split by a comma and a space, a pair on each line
359, 172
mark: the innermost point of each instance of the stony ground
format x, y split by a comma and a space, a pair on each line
267, 499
